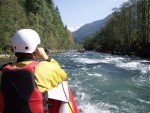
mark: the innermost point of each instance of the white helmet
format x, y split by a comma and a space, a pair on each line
25, 41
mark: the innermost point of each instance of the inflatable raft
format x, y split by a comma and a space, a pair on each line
61, 100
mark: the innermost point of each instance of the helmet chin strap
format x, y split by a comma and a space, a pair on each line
34, 54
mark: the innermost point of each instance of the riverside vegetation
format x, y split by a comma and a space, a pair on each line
40, 15
127, 32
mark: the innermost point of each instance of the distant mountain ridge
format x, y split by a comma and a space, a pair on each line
89, 29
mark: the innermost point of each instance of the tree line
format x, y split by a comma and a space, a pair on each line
40, 15
127, 32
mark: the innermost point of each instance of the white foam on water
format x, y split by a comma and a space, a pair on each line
86, 105
97, 108
89, 108
113, 59
87, 60
127, 107
106, 59
94, 74
142, 80
145, 69
134, 65
129, 65
97, 67
144, 101
119, 62
85, 69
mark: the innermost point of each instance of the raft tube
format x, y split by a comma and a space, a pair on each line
61, 100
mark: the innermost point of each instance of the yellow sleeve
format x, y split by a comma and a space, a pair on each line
54, 61
49, 75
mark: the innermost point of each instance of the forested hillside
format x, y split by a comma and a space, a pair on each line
40, 15
127, 32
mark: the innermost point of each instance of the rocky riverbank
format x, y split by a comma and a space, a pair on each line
6, 56
12, 56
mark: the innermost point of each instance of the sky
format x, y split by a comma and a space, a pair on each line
76, 13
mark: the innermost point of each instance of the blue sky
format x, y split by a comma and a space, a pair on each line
75, 13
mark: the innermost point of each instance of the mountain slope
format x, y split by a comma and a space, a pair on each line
87, 30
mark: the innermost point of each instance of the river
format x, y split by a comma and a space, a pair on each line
105, 83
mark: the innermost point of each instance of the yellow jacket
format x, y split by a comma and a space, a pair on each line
47, 74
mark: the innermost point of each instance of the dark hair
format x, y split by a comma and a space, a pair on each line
24, 56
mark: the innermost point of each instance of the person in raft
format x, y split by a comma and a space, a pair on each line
23, 81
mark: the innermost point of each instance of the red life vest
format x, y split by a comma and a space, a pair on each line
18, 91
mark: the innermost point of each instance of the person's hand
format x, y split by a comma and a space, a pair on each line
40, 52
